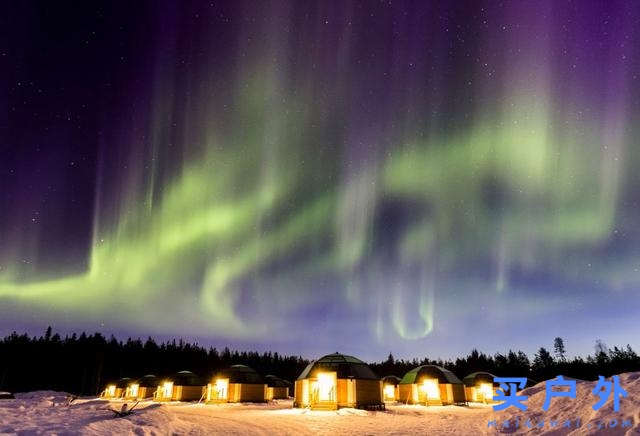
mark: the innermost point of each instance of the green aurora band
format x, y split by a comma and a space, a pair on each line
268, 200
556, 198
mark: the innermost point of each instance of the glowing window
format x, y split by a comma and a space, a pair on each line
486, 391
133, 390
111, 390
167, 389
431, 388
389, 392
326, 387
221, 389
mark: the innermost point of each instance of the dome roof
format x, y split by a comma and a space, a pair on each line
276, 382
240, 374
443, 375
186, 378
148, 381
345, 367
478, 377
123, 382
390, 380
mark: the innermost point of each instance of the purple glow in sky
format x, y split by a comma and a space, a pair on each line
416, 177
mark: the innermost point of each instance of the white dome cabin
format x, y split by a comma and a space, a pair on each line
144, 387
277, 388
431, 385
116, 389
337, 380
480, 387
236, 384
390, 388
183, 386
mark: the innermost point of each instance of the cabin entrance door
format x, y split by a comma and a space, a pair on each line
218, 390
324, 390
166, 390
484, 392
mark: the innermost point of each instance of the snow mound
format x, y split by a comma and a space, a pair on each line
351, 412
42, 395
577, 414
47, 412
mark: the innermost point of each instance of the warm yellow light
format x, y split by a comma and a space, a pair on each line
305, 392
133, 389
326, 386
431, 388
486, 390
221, 388
389, 392
111, 391
167, 389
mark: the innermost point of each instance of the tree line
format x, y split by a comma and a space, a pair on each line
544, 366
84, 364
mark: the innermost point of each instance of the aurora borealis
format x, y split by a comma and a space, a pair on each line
415, 177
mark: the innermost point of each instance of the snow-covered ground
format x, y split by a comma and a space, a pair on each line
47, 413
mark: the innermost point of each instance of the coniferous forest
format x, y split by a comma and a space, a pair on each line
83, 364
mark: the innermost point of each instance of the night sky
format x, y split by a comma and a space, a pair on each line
310, 177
